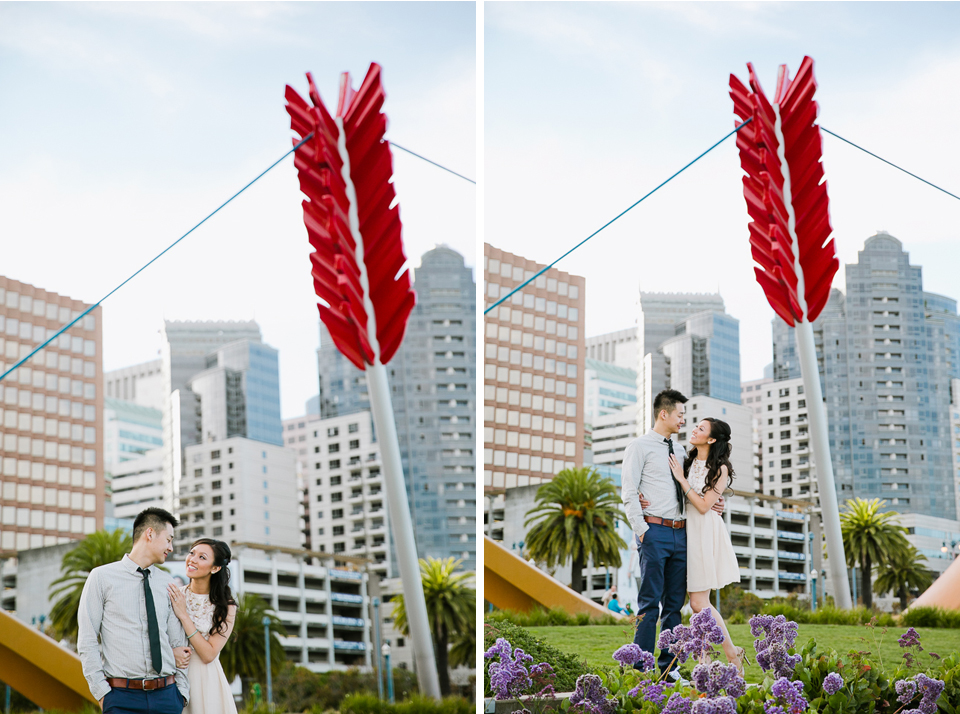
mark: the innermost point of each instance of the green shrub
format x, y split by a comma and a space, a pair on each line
829, 615
566, 666
297, 689
554, 617
931, 617
370, 704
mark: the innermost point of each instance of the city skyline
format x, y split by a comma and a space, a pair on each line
174, 108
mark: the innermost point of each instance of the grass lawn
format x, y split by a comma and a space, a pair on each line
596, 644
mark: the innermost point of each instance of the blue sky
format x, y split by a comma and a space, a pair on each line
590, 105
123, 124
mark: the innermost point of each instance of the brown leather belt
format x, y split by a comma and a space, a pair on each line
665, 522
145, 684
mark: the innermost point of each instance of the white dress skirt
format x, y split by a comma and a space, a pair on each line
711, 562
209, 689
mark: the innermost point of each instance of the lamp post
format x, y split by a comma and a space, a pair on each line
813, 584
266, 639
376, 626
386, 656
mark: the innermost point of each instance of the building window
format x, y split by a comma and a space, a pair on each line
787, 492
338, 530
333, 431
215, 454
335, 463
336, 497
215, 469
215, 485
785, 463
353, 428
784, 406
354, 443
198, 473
334, 481
339, 547
336, 513
217, 500
218, 515
333, 448
784, 420
319, 531
802, 404
319, 497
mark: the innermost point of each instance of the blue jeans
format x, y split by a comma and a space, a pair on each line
663, 581
136, 701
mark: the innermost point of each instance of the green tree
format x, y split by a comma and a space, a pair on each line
904, 571
99, 548
451, 611
870, 538
245, 652
575, 518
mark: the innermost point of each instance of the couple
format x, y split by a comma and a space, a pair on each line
135, 626
680, 549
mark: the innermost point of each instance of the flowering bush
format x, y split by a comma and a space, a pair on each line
510, 677
795, 682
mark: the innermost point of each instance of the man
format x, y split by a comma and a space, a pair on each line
659, 524
132, 668
609, 595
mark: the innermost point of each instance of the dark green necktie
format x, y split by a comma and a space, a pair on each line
152, 625
676, 484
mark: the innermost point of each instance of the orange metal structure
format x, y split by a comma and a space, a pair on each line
511, 583
945, 591
40, 669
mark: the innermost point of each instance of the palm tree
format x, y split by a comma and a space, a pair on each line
463, 648
576, 517
903, 573
99, 548
245, 651
870, 538
451, 611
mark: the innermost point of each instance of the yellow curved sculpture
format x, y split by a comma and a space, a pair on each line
40, 669
945, 591
511, 583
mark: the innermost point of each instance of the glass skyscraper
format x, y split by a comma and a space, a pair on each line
703, 358
886, 352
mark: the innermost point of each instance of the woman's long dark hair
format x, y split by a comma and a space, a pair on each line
220, 594
719, 454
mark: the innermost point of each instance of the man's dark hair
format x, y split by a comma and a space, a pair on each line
667, 399
155, 518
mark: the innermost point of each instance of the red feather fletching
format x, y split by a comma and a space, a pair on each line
780, 151
352, 221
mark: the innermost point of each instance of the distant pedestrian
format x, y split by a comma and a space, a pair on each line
614, 605
609, 594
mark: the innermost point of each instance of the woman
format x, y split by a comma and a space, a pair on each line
711, 562
207, 611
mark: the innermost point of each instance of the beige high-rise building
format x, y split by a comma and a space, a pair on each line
533, 372
51, 487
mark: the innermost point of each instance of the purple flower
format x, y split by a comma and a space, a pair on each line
910, 638
509, 677
931, 689
694, 641
718, 705
779, 634
628, 655
678, 704
591, 697
832, 683
714, 678
788, 698
906, 690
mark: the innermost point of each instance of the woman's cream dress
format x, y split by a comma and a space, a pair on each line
209, 690
711, 562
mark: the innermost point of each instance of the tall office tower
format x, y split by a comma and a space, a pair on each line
619, 348
52, 410
433, 379
185, 347
533, 372
140, 384
704, 356
886, 374
343, 387
751, 396
955, 437
610, 409
295, 434
239, 490
345, 496
657, 322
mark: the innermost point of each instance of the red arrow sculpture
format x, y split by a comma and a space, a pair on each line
345, 172
358, 272
780, 151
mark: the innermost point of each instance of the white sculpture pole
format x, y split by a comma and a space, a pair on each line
830, 511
